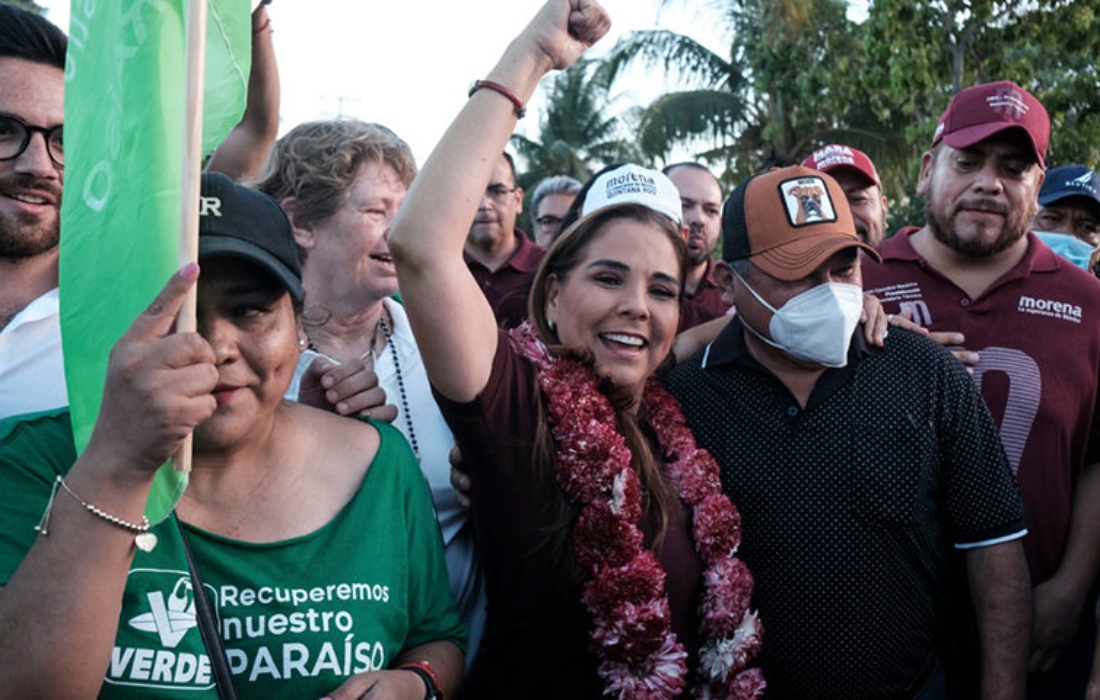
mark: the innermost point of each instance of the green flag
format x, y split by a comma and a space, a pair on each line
125, 94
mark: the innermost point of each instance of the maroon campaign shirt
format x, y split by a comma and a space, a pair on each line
706, 303
1037, 331
537, 632
508, 287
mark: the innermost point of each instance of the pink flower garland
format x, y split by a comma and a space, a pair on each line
640, 658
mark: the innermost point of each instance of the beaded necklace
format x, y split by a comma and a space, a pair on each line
388, 333
383, 327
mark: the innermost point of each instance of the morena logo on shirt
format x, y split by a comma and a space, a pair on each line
1049, 307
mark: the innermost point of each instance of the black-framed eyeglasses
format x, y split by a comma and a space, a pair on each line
15, 136
549, 222
499, 192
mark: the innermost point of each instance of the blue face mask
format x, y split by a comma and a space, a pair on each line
1069, 247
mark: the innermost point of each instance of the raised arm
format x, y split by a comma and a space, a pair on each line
243, 153
66, 594
453, 323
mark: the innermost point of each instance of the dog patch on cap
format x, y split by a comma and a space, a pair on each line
807, 201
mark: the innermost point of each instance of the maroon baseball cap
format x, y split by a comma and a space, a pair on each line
978, 112
837, 156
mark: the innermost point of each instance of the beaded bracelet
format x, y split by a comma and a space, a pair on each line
143, 539
265, 25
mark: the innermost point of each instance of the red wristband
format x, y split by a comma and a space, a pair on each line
265, 25
424, 670
497, 87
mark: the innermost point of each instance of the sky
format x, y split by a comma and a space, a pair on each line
408, 64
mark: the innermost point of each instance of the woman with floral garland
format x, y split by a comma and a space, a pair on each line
608, 545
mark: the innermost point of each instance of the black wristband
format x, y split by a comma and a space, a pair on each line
432, 692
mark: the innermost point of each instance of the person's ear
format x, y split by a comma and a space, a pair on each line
726, 281
927, 163
303, 233
553, 290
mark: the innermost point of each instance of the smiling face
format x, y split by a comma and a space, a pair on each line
980, 201
347, 254
867, 203
621, 300
30, 184
248, 319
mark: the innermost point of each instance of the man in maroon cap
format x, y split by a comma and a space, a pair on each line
975, 268
857, 175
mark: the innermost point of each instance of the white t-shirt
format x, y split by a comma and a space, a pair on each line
32, 371
434, 442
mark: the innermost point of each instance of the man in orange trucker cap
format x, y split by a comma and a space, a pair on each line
856, 470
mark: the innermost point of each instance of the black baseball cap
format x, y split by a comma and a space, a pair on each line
239, 222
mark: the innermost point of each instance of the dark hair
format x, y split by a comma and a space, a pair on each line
31, 37
511, 165
564, 255
574, 212
686, 164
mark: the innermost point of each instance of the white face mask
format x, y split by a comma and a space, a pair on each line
817, 325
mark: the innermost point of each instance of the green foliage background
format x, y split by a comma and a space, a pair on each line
799, 74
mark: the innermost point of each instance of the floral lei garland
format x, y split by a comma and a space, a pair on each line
640, 658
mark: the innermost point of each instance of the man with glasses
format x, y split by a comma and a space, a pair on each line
501, 257
549, 204
32, 84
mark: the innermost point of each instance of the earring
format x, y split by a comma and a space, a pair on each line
302, 342
552, 326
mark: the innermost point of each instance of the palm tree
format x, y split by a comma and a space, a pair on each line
767, 103
577, 133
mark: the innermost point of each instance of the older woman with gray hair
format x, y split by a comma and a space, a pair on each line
341, 182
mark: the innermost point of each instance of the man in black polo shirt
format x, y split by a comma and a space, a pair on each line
856, 470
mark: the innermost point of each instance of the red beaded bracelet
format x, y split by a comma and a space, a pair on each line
265, 25
497, 87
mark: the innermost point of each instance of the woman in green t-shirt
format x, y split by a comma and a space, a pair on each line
314, 533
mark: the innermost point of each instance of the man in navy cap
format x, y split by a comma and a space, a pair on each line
1069, 214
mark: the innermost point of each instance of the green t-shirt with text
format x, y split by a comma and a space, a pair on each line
297, 617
